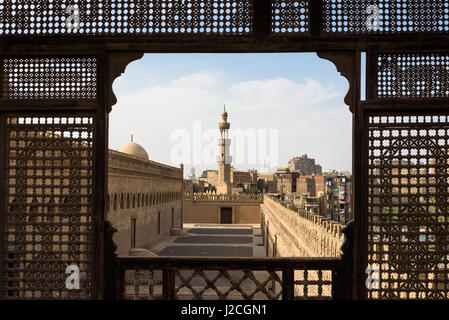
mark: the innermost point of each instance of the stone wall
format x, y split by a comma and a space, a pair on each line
147, 191
206, 208
291, 232
298, 233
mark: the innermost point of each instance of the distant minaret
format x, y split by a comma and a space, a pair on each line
224, 160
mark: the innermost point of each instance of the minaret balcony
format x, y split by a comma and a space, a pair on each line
226, 160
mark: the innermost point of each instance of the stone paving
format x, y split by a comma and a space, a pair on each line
214, 240
216, 231
207, 251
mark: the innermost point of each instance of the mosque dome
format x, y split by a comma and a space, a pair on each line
134, 149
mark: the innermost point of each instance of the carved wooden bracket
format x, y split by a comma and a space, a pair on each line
347, 258
347, 247
110, 262
345, 61
117, 63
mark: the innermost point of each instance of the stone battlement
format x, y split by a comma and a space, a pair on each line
297, 232
222, 198
123, 161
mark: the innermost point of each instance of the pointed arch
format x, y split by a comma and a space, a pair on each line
114, 204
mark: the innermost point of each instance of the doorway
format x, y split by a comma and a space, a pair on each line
226, 215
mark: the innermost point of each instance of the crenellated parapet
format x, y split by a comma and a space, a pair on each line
134, 165
213, 198
299, 232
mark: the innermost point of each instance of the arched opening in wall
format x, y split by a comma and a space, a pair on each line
244, 132
133, 231
122, 201
115, 202
108, 203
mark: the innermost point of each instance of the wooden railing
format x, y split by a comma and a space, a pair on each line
152, 278
167, 278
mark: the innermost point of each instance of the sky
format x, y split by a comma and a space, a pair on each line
279, 105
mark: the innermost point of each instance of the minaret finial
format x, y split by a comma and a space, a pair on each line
132, 138
224, 107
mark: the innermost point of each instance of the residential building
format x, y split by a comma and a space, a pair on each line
304, 165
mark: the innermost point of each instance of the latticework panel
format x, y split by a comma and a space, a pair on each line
49, 78
413, 75
408, 213
395, 16
290, 16
143, 285
313, 284
228, 285
48, 218
122, 17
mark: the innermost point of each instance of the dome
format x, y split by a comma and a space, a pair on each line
134, 149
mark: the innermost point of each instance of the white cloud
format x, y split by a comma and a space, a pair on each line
280, 93
202, 79
311, 118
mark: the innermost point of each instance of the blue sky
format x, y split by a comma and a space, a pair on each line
296, 100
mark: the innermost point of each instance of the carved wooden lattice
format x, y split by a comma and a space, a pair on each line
224, 284
413, 75
395, 16
213, 17
49, 212
313, 284
49, 78
143, 285
118, 17
408, 216
228, 284
290, 16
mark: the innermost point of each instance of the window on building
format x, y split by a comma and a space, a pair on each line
172, 217
115, 202
158, 223
133, 232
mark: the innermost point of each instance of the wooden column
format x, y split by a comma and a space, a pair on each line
315, 17
262, 19
348, 64
168, 284
359, 187
111, 66
288, 284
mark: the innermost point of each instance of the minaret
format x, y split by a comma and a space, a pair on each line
224, 160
